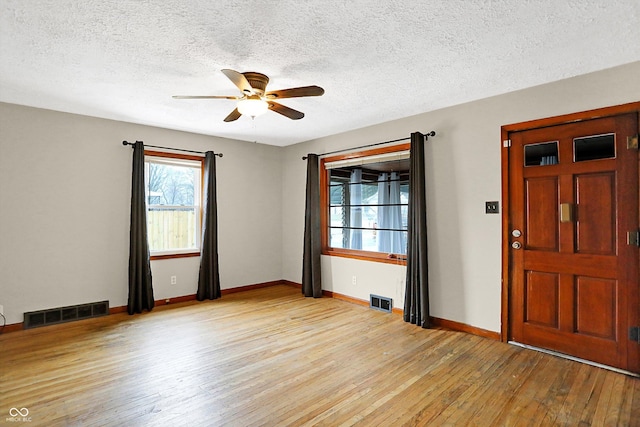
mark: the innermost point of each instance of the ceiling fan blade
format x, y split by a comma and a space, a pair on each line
296, 92
239, 80
204, 97
234, 115
285, 111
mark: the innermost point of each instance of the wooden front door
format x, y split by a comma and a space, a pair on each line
573, 276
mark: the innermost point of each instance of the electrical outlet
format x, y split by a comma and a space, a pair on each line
174, 280
354, 280
492, 207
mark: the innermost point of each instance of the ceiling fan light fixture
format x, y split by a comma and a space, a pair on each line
252, 106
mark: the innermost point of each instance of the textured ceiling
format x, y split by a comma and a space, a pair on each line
377, 60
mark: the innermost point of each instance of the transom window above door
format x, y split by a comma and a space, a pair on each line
586, 148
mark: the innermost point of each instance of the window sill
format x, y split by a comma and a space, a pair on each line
367, 256
174, 255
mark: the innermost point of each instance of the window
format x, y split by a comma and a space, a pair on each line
173, 189
365, 200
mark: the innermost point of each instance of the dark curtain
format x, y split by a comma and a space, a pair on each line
311, 280
416, 300
209, 276
140, 287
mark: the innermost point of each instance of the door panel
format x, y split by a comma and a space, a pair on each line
596, 307
573, 194
542, 213
542, 300
596, 213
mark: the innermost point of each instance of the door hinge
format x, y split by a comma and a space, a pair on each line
634, 334
632, 142
507, 143
633, 238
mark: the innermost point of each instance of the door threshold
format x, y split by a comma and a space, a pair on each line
575, 359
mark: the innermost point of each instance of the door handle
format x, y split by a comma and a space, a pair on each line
516, 245
566, 212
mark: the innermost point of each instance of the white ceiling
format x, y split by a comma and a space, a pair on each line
378, 60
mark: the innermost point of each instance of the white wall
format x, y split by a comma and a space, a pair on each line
65, 188
65, 184
463, 171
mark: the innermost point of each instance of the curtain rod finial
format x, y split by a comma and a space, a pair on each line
304, 157
125, 143
432, 133
219, 155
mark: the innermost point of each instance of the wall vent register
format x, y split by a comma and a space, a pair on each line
53, 316
380, 303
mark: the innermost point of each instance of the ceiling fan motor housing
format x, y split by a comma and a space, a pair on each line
258, 82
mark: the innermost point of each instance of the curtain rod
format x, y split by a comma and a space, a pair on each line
427, 135
169, 148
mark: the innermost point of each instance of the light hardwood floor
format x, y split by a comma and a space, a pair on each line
271, 357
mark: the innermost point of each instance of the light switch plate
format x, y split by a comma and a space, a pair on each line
492, 207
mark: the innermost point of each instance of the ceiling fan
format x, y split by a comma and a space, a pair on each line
255, 100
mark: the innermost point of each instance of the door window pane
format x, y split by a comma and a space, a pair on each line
542, 154
594, 147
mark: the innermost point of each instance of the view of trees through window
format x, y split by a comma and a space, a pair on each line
170, 185
173, 204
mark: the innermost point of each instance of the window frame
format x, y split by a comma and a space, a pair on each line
181, 253
325, 209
